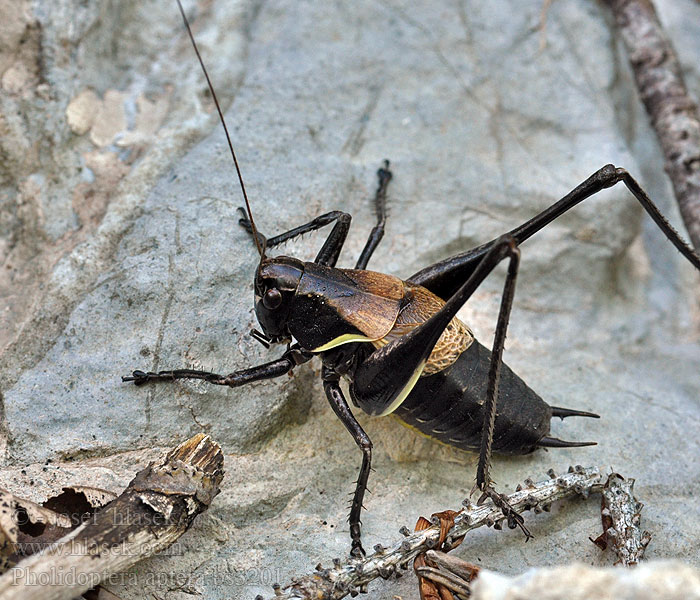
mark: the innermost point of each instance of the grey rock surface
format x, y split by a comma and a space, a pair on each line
122, 250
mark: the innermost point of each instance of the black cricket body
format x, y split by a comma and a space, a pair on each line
399, 343
344, 315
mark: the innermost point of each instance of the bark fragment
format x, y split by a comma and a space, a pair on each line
156, 508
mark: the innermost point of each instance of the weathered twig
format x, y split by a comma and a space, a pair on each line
155, 509
353, 575
673, 114
620, 512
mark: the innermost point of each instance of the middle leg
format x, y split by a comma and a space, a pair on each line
343, 412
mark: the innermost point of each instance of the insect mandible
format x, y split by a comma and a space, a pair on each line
399, 342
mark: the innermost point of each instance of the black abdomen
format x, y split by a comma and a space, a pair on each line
448, 406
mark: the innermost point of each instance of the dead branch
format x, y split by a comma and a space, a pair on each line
353, 575
673, 114
156, 508
620, 513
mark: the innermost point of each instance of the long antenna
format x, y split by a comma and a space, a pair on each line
261, 250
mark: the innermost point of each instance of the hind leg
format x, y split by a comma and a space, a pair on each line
444, 278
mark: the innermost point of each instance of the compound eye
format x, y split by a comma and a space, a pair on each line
272, 299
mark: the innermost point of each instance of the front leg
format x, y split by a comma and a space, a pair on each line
276, 368
343, 412
377, 233
328, 255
